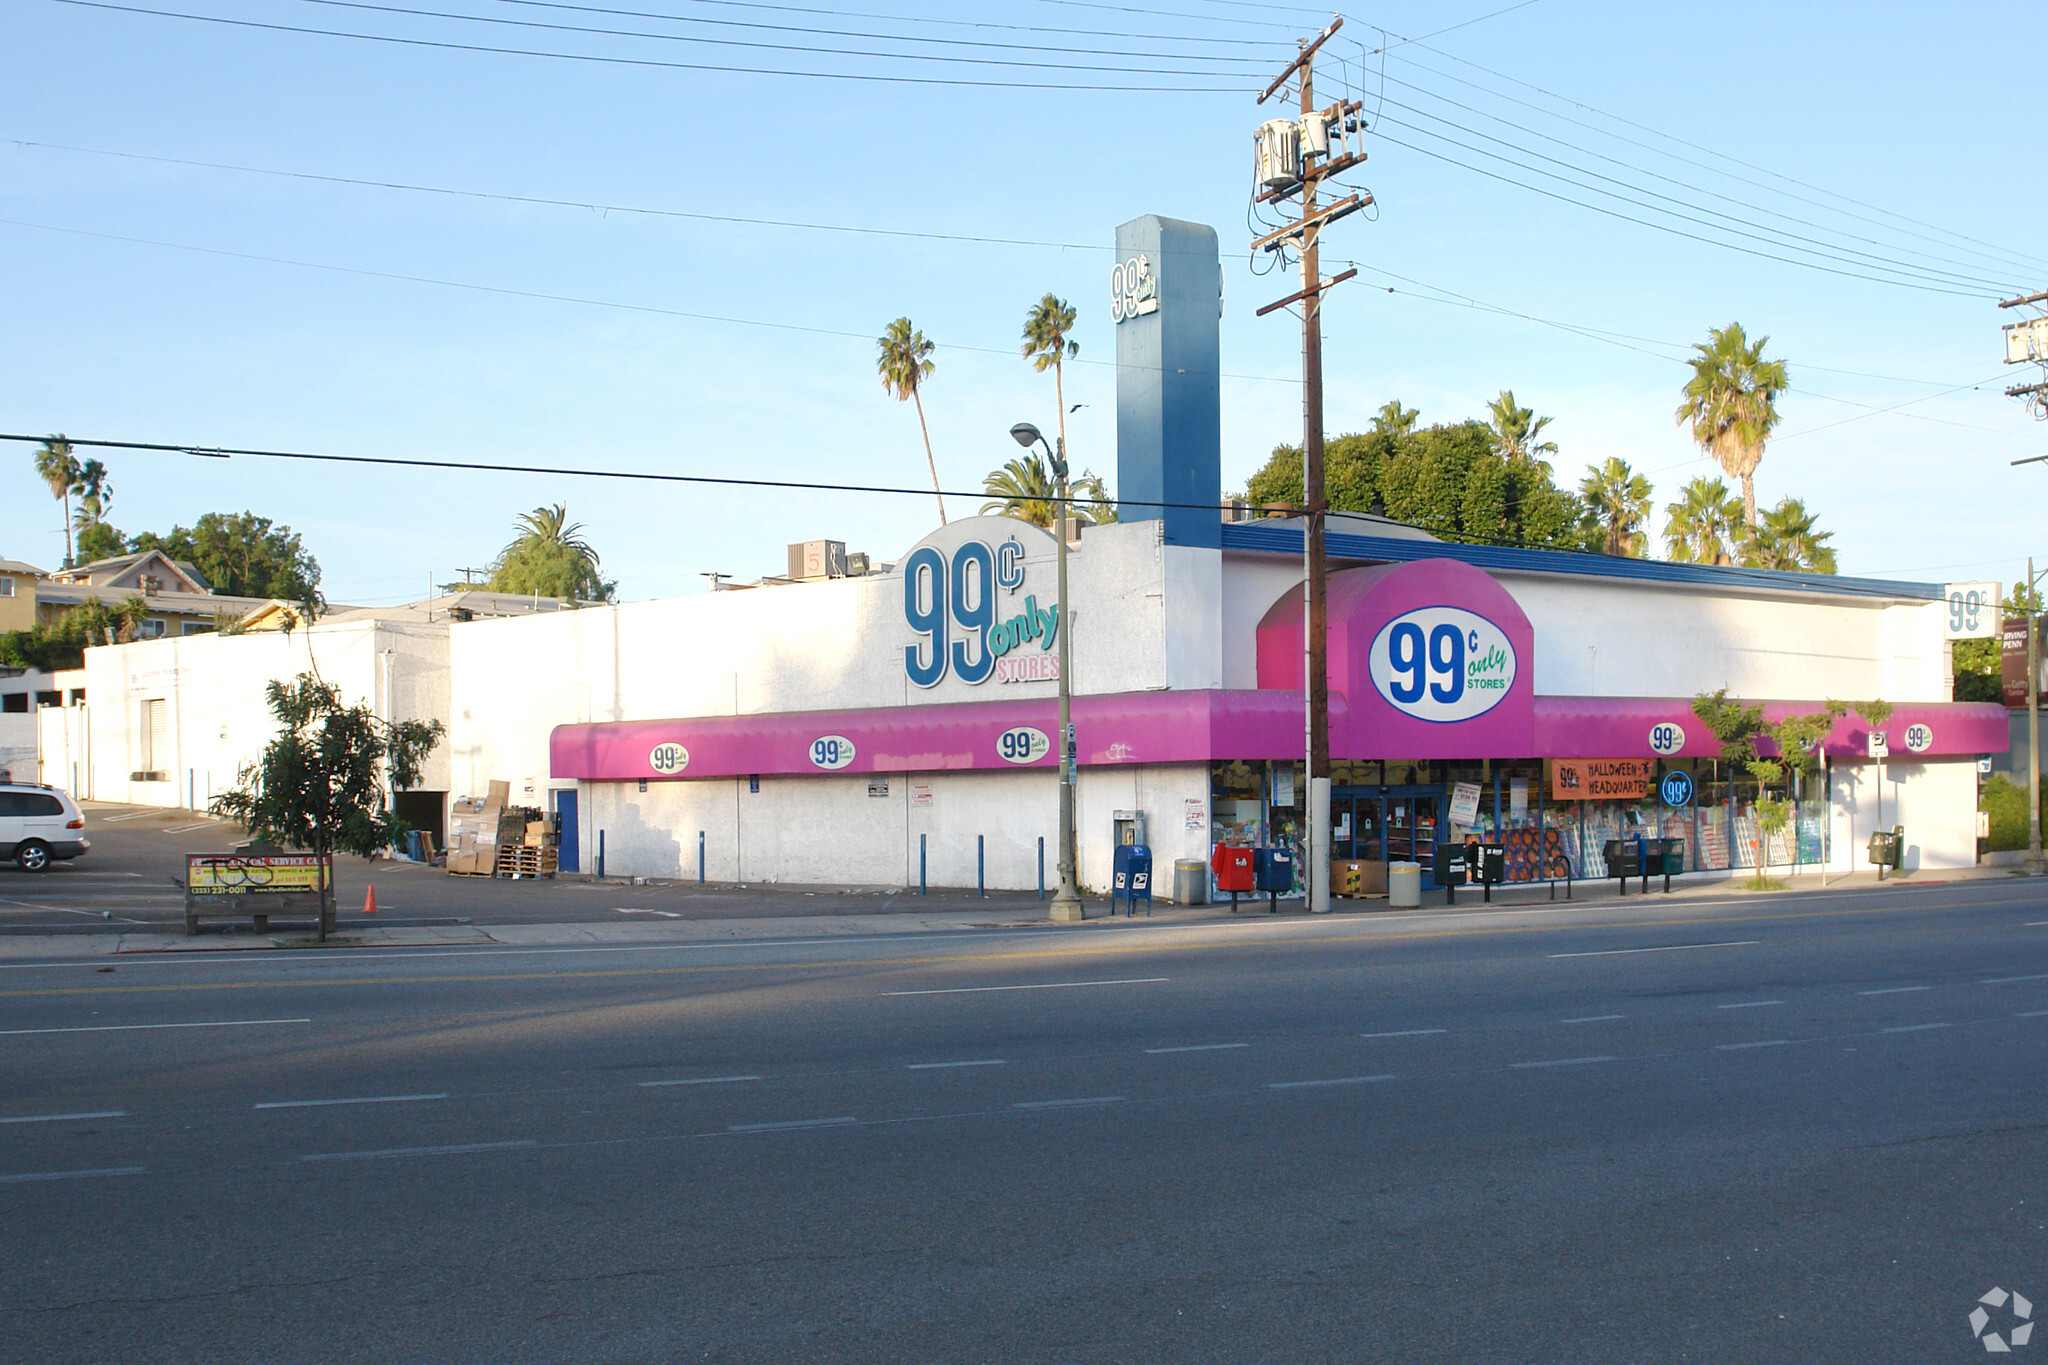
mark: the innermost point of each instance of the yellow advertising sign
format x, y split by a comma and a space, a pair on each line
239, 874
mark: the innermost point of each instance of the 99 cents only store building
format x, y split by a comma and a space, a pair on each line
828, 730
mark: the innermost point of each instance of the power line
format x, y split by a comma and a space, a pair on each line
988, 24
651, 63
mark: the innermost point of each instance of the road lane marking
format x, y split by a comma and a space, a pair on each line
366, 1099
1593, 1019
2030, 1014
60, 1118
1738, 1047
1041, 986
1748, 1004
1562, 1061
665, 914
1668, 948
124, 1028
1895, 990
1068, 1104
456, 1149
1195, 1047
2008, 980
1334, 1080
1911, 1028
702, 1080
790, 1123
70, 1175
940, 1066
1406, 1033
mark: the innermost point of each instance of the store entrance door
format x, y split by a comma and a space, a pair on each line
1392, 824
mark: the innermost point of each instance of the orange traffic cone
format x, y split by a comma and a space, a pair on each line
370, 901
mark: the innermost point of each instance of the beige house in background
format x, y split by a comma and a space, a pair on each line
181, 601
17, 594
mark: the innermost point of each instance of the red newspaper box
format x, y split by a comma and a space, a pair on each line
1232, 864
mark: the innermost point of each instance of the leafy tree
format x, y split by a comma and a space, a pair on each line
1795, 742
62, 643
1395, 420
1786, 538
99, 541
904, 361
550, 558
1705, 525
1516, 428
1731, 404
319, 785
1448, 480
242, 555
1046, 345
1618, 502
58, 467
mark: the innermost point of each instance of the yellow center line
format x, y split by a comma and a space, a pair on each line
1069, 950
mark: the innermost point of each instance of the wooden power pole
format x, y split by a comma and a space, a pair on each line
1293, 158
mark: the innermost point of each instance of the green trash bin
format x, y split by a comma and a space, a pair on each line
1886, 849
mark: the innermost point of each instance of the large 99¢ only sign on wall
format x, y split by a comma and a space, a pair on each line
1442, 664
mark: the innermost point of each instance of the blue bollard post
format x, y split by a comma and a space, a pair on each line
600, 855
1041, 867
920, 865
700, 857
980, 862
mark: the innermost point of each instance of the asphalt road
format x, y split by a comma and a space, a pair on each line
1799, 1130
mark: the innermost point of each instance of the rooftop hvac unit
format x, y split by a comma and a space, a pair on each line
1276, 154
2026, 341
817, 559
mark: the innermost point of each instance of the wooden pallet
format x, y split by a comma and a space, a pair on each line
516, 860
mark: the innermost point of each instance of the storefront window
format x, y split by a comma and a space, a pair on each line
1236, 802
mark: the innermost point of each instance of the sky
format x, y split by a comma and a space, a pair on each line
237, 235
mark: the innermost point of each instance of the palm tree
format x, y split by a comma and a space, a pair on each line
904, 361
1705, 525
96, 540
1618, 499
550, 558
1023, 488
1515, 429
1395, 420
59, 468
1730, 404
551, 526
1047, 348
1787, 539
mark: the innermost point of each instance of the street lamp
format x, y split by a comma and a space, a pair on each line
1066, 902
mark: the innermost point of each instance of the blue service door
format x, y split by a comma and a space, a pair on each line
566, 854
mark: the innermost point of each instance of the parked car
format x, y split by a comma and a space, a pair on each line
39, 825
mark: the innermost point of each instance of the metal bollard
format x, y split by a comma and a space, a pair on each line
700, 857
1041, 867
600, 855
980, 866
920, 865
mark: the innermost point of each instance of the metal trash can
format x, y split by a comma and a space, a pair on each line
1190, 881
1404, 886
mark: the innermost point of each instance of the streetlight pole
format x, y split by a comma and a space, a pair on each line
1066, 902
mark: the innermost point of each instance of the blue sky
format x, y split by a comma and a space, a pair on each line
154, 301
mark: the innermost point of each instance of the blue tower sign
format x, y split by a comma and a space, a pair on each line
1166, 297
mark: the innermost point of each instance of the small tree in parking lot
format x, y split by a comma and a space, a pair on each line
319, 785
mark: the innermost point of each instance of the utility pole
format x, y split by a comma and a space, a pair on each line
2028, 341
1295, 157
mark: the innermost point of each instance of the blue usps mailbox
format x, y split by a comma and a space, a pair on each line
1132, 878
1273, 873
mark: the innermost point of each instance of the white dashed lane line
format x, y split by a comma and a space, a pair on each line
1406, 1033
1748, 1004
1911, 1028
70, 1175
457, 1149
1668, 948
942, 1066
838, 1122
1561, 1061
364, 1099
1039, 986
1196, 1047
125, 1028
65, 1118
1744, 1047
2009, 980
1069, 1104
1593, 1019
1895, 990
700, 1080
1334, 1080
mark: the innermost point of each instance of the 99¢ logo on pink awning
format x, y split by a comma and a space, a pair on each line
1442, 664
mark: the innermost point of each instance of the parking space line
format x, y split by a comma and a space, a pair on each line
455, 1149
70, 1175
61, 1118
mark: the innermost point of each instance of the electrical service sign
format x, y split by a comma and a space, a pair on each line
1442, 664
974, 619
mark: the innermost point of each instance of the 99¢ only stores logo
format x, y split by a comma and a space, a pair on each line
1442, 664
971, 620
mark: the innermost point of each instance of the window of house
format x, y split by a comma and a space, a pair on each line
151, 629
6, 586
197, 628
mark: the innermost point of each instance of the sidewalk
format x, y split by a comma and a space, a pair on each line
758, 914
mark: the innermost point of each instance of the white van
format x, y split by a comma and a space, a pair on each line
38, 826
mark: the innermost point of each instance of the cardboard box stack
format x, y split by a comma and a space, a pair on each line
473, 831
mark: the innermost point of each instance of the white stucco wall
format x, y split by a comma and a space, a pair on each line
216, 719
1936, 802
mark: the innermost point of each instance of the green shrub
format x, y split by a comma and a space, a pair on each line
2007, 802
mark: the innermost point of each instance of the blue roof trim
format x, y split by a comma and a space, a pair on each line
1276, 536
